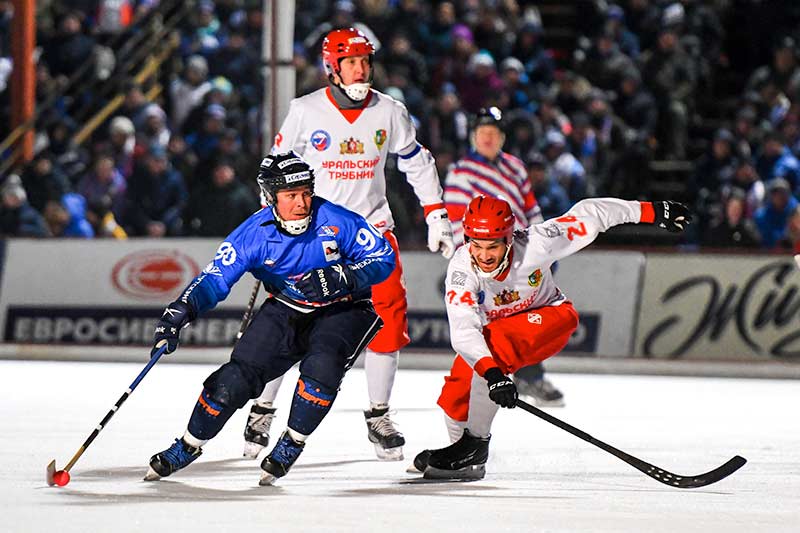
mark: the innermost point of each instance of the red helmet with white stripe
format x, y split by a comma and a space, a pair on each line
349, 42
489, 218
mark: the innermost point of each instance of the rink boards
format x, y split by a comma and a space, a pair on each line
72, 294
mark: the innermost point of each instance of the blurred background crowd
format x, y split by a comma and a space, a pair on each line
692, 100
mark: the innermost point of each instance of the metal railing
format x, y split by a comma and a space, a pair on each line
139, 53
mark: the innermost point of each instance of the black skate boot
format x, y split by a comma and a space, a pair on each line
280, 459
382, 432
540, 392
464, 459
171, 460
420, 462
256, 432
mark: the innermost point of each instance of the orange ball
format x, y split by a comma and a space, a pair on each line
61, 478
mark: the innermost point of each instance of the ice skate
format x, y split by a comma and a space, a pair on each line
540, 392
177, 456
383, 434
280, 459
420, 462
464, 459
256, 432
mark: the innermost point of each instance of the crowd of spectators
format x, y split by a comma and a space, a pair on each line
644, 80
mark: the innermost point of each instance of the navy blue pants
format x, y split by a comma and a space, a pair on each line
325, 342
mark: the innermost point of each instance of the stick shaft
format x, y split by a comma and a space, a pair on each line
248, 313
113, 410
659, 474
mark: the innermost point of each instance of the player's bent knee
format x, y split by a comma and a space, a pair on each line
234, 384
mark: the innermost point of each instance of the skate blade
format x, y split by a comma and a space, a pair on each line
411, 469
151, 475
267, 480
389, 454
251, 450
468, 472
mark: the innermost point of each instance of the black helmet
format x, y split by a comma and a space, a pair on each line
491, 116
278, 172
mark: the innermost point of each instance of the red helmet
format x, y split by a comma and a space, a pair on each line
489, 218
339, 44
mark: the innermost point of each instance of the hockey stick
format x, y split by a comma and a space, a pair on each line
61, 477
248, 313
659, 474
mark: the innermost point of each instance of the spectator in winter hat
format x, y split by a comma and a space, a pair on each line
772, 219
17, 217
482, 85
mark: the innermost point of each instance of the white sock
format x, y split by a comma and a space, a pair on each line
455, 429
270, 392
296, 436
193, 441
380, 369
481, 408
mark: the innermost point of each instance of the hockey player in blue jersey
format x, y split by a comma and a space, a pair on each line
318, 261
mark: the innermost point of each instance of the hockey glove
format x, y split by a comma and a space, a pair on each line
672, 216
440, 234
176, 316
323, 284
502, 390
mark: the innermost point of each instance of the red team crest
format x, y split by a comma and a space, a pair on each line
351, 146
380, 138
506, 297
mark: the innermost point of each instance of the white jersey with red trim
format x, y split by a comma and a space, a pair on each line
348, 158
473, 301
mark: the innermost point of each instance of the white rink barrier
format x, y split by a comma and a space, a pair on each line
99, 300
720, 308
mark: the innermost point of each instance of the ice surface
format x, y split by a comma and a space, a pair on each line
539, 478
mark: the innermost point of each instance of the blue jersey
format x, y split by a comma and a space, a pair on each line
336, 235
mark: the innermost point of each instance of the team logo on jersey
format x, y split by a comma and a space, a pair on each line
458, 278
552, 231
331, 250
534, 318
380, 138
320, 140
278, 139
506, 297
212, 269
535, 278
328, 231
351, 146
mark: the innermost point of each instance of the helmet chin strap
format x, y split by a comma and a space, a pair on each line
292, 227
357, 91
349, 96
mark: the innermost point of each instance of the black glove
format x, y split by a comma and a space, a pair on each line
672, 216
176, 316
323, 284
502, 390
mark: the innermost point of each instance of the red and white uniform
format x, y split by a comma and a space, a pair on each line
348, 148
505, 178
520, 317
